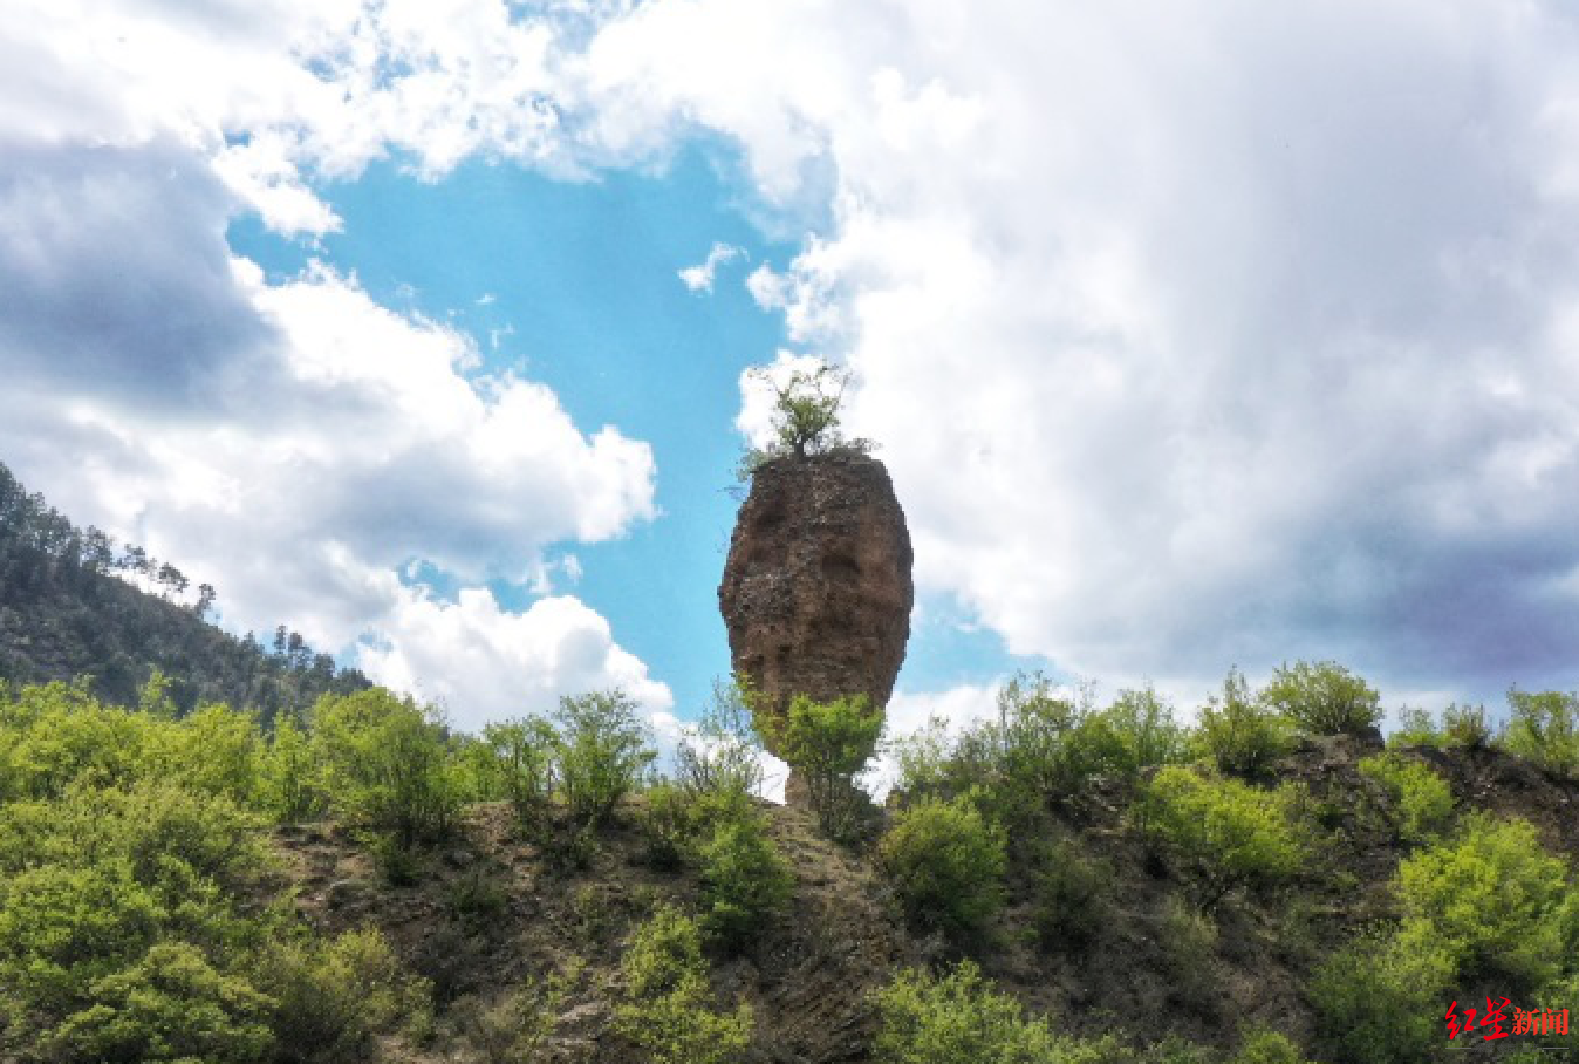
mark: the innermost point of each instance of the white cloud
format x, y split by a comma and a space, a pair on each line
1209, 335
700, 278
486, 664
1217, 333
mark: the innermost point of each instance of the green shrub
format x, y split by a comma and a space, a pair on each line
1147, 734
668, 824
722, 756
927, 1020
602, 751
667, 1007
1493, 900
1544, 727
1422, 799
514, 1029
291, 784
1377, 1003
1417, 727
332, 998
1323, 698
1235, 835
214, 750
829, 744
386, 765
521, 757
1242, 735
170, 1006
1465, 727
1264, 1046
56, 735
1069, 897
745, 882
62, 930
946, 864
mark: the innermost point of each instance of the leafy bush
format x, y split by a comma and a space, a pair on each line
829, 744
521, 756
513, 1030
332, 998
1544, 727
1234, 834
1243, 736
214, 750
721, 757
1324, 698
171, 1005
1147, 734
1377, 1003
667, 1010
1493, 900
386, 765
956, 1018
745, 882
602, 750
292, 787
1423, 800
1069, 897
1264, 1046
946, 864
1465, 727
959, 1017
57, 735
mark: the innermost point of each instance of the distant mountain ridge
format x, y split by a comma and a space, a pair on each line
64, 614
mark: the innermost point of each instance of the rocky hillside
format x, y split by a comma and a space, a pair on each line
1118, 951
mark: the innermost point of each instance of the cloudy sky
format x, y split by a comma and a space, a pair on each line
1194, 334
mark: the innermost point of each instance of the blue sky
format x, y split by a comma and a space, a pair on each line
1214, 336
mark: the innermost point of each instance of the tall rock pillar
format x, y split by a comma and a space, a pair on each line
817, 589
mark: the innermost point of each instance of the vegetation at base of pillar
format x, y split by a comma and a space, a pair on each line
829, 744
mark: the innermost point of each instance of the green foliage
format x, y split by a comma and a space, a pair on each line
215, 750
1493, 900
956, 1018
1422, 799
805, 417
1070, 897
521, 758
1544, 727
1416, 727
332, 998
721, 758
667, 1009
515, 1028
172, 1005
1378, 1003
386, 765
1465, 727
67, 615
56, 735
1234, 834
1265, 1046
946, 864
1241, 734
745, 882
602, 752
1323, 698
292, 788
1146, 732
959, 1017
829, 744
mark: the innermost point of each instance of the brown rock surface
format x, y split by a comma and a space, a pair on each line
817, 588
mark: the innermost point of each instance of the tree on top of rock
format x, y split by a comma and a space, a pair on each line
805, 416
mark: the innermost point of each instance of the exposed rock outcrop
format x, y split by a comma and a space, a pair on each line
817, 589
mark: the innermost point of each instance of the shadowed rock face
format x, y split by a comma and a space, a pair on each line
817, 589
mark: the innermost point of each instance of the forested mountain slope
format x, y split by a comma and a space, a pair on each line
65, 612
